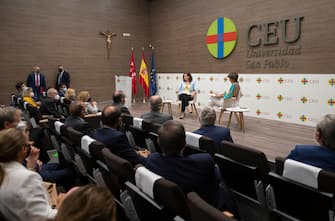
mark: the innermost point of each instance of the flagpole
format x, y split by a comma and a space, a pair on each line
144, 92
132, 92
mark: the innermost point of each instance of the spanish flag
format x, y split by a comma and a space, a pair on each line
144, 77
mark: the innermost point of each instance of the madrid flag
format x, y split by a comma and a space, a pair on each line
132, 74
144, 77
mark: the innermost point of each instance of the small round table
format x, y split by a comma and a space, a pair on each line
240, 117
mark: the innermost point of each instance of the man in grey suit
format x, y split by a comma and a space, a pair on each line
155, 116
75, 120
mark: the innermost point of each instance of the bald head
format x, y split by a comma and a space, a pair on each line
111, 116
155, 103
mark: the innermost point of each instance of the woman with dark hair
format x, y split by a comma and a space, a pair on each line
89, 203
186, 92
21, 190
229, 98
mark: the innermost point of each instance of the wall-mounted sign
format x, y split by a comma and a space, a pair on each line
221, 37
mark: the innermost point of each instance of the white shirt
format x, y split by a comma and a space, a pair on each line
23, 192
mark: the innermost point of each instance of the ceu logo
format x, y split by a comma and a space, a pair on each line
279, 115
221, 37
303, 118
331, 102
303, 100
331, 82
304, 81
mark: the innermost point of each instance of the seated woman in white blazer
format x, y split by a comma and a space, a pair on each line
229, 98
21, 190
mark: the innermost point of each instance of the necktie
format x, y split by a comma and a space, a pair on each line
37, 80
60, 77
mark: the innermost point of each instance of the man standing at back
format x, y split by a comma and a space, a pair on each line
114, 139
208, 128
63, 78
36, 81
155, 116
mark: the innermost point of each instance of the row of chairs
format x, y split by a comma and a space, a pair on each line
165, 201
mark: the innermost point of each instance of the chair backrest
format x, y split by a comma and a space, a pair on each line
207, 144
74, 135
127, 120
248, 156
93, 120
193, 144
288, 198
200, 210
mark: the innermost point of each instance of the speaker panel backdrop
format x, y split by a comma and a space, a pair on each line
293, 98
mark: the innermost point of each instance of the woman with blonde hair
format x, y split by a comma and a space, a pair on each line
70, 94
91, 106
28, 96
89, 203
21, 190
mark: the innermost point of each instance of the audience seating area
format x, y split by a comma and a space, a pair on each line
293, 191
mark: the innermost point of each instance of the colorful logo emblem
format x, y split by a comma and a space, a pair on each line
258, 112
303, 100
221, 37
280, 80
331, 102
225, 79
303, 118
331, 82
304, 81
259, 80
258, 96
280, 97
279, 115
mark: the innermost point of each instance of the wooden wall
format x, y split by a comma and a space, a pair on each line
179, 28
48, 33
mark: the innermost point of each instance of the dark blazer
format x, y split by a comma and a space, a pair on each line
49, 107
78, 124
65, 79
117, 142
218, 134
156, 117
37, 90
196, 172
317, 156
123, 108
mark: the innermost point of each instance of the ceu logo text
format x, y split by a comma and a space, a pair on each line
221, 37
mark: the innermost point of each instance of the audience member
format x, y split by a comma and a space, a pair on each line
208, 128
63, 78
91, 106
322, 156
186, 93
62, 90
22, 190
28, 96
196, 172
228, 98
155, 116
9, 117
70, 94
75, 120
49, 106
119, 99
115, 140
20, 86
36, 81
89, 203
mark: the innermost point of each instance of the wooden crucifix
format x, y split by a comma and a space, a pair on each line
108, 35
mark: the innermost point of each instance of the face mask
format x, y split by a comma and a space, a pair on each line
31, 94
89, 99
57, 97
22, 125
37, 71
60, 70
64, 89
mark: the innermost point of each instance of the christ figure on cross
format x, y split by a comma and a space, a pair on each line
108, 36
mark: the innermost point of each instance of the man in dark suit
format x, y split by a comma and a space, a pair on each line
196, 172
208, 129
75, 120
63, 77
36, 81
115, 140
48, 106
155, 116
323, 155
119, 99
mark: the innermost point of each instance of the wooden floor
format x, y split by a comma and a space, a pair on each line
274, 138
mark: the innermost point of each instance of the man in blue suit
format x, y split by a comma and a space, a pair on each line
196, 172
114, 139
63, 78
208, 129
36, 81
322, 156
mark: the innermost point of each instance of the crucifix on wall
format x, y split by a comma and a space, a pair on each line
108, 35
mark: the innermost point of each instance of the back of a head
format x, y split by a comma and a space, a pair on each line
110, 116
51, 91
89, 203
233, 76
118, 97
7, 114
11, 142
208, 116
155, 103
83, 96
70, 94
26, 91
76, 108
326, 127
171, 137
18, 85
